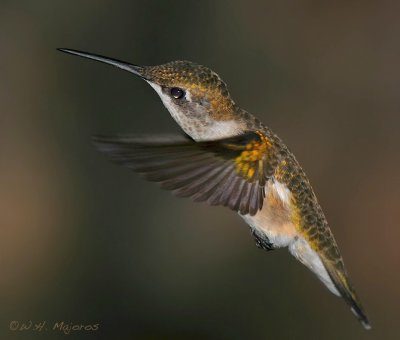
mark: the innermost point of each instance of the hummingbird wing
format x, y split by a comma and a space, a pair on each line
230, 172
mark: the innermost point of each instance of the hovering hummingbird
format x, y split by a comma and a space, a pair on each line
230, 158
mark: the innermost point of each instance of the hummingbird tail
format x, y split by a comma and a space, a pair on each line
342, 284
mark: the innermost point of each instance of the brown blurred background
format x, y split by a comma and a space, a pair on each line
84, 242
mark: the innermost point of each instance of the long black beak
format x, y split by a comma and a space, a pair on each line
138, 70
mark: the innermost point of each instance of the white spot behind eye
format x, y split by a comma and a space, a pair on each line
188, 96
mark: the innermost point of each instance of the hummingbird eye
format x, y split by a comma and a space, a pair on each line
177, 93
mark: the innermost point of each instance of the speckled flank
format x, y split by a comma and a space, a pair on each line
307, 213
310, 221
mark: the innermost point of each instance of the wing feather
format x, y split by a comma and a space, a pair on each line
230, 172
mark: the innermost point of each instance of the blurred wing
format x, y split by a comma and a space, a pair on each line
230, 172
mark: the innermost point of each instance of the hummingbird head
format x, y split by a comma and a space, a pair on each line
195, 96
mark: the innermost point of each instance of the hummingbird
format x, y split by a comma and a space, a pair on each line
228, 157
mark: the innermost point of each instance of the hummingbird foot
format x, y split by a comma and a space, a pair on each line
262, 241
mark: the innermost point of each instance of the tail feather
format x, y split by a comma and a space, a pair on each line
344, 287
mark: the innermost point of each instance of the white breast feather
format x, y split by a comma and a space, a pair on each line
279, 233
282, 191
301, 250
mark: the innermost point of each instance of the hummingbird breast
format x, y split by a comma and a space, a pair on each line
275, 219
277, 222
